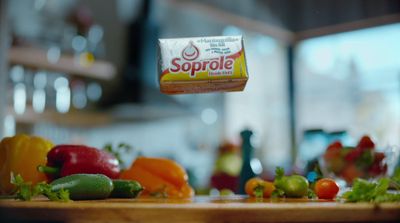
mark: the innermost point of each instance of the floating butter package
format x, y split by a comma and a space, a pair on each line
202, 64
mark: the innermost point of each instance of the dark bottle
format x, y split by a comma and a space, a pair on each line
247, 171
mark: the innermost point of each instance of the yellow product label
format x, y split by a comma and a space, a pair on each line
225, 67
204, 64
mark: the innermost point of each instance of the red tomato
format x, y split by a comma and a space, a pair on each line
326, 188
378, 157
353, 155
335, 146
365, 143
350, 172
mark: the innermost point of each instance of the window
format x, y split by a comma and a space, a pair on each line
350, 81
263, 106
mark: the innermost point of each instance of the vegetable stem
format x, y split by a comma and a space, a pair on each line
48, 169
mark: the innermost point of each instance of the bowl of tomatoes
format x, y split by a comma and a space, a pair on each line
365, 160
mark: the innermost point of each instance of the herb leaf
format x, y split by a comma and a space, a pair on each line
278, 182
118, 151
25, 191
375, 192
396, 178
279, 173
311, 194
277, 193
259, 191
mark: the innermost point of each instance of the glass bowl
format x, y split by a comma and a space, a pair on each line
348, 163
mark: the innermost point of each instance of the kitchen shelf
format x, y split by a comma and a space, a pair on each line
73, 118
82, 118
37, 58
143, 112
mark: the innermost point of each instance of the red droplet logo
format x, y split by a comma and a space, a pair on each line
191, 52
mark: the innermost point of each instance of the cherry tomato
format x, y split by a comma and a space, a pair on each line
326, 188
335, 146
256, 187
365, 143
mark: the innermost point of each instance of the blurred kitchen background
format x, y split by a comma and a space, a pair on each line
84, 71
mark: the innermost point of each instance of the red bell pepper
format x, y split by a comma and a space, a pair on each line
64, 160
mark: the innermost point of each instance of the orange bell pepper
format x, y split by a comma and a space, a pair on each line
160, 176
21, 154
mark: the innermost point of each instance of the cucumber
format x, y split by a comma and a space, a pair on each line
84, 186
126, 189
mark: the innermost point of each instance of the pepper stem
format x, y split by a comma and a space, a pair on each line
48, 169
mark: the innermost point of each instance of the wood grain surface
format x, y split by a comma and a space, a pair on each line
199, 209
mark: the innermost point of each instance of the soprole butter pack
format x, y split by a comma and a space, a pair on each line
202, 64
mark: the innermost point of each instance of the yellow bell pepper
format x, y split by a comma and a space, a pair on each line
21, 154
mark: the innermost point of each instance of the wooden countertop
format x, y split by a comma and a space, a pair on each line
199, 209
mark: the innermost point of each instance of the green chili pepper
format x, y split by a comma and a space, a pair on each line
84, 186
126, 189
